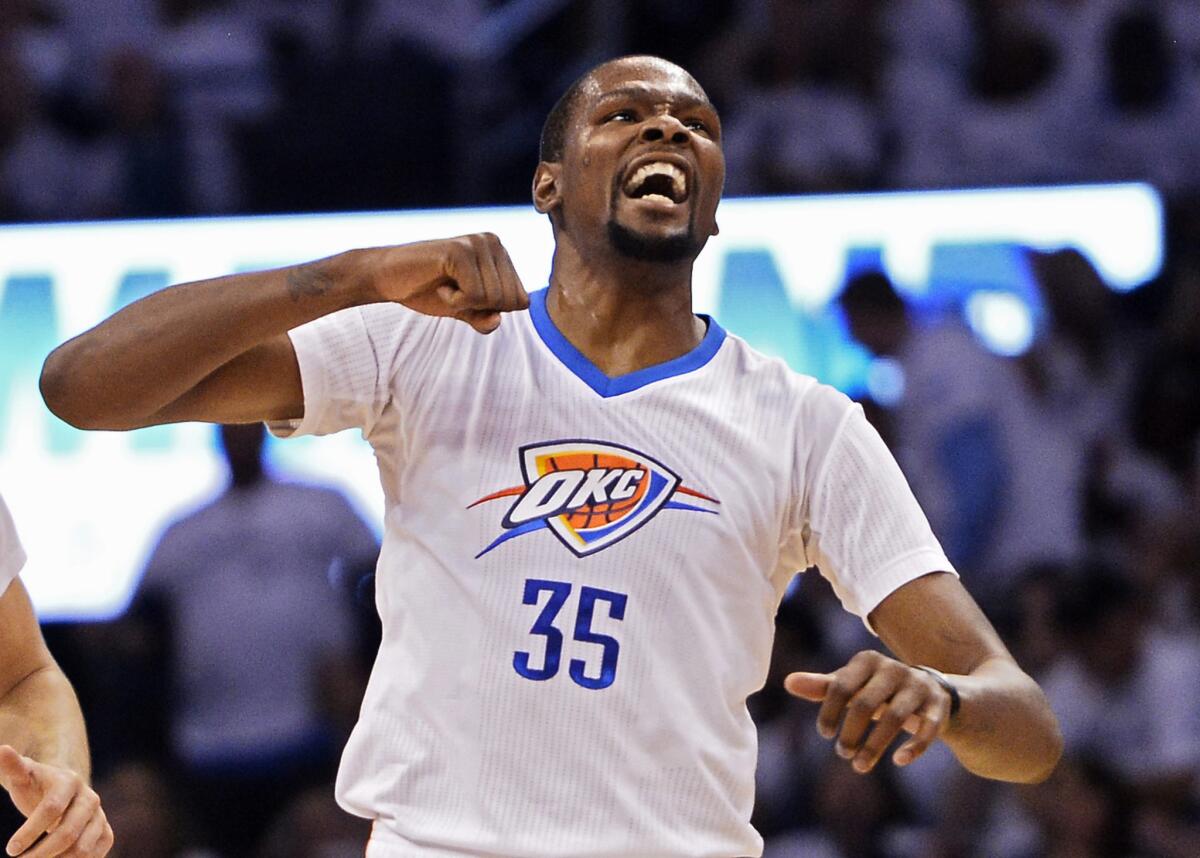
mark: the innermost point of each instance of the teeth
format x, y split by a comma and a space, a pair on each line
677, 176
658, 198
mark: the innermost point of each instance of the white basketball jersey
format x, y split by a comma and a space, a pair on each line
12, 555
580, 574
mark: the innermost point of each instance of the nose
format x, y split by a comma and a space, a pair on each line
663, 126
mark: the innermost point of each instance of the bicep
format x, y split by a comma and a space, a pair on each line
258, 385
22, 649
933, 620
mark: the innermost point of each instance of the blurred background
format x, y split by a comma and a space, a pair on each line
1030, 349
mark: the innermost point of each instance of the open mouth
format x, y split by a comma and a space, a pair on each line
658, 181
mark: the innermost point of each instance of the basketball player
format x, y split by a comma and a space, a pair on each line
44, 764
591, 514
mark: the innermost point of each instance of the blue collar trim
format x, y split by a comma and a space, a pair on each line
606, 386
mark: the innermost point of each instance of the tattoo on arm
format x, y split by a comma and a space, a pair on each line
308, 281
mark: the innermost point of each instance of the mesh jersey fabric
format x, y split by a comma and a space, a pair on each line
548, 689
12, 554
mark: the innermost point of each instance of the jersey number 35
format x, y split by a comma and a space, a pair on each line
544, 625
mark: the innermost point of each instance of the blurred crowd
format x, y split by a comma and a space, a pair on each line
1065, 486
143, 108
1065, 483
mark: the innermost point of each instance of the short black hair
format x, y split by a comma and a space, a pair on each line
558, 120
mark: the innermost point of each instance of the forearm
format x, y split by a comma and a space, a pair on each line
1004, 729
40, 718
150, 353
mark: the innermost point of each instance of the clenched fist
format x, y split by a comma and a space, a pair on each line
60, 809
470, 278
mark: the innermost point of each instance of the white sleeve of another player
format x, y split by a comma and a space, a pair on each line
866, 532
350, 363
12, 555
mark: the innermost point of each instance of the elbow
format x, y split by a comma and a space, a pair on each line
1021, 743
1048, 759
1045, 748
64, 394
1032, 763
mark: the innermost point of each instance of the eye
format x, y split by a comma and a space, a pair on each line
697, 125
620, 116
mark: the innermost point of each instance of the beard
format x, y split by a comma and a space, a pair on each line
645, 248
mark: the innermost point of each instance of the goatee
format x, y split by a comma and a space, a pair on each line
634, 245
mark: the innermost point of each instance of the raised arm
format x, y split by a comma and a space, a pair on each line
1003, 728
44, 763
217, 350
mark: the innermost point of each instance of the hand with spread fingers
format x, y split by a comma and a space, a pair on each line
874, 698
63, 814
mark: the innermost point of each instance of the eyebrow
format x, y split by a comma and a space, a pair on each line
648, 92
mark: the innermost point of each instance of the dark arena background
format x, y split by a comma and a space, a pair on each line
979, 218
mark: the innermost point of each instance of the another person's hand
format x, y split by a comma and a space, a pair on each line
875, 688
59, 807
470, 277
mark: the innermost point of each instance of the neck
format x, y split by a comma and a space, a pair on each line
623, 315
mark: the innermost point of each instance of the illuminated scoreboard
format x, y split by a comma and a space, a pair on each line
90, 505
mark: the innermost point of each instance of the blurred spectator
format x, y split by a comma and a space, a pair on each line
1164, 409
144, 808
679, 30
1145, 96
1116, 664
314, 29
1083, 367
360, 129
1152, 108
1009, 115
801, 114
144, 149
44, 174
789, 749
964, 427
216, 59
924, 82
1030, 621
95, 30
856, 817
248, 582
32, 30
447, 29
313, 826
1083, 810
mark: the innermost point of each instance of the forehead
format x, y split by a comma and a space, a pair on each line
656, 79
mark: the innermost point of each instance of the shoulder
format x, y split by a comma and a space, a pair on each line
815, 410
775, 377
760, 374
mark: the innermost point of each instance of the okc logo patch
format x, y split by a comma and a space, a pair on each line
590, 494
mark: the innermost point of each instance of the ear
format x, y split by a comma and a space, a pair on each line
546, 192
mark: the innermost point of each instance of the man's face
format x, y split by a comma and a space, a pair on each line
643, 167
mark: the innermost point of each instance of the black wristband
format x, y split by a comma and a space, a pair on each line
940, 678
